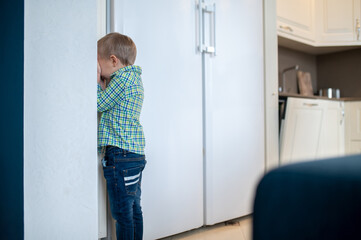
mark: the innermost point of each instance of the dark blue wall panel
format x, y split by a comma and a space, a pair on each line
11, 119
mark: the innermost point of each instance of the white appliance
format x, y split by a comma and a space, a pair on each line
203, 113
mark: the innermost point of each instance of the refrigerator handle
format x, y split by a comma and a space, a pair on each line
211, 9
214, 28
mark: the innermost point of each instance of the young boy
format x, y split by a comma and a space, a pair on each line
120, 99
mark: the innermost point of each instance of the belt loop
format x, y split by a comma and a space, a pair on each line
124, 152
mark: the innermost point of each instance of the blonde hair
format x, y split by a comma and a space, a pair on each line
119, 45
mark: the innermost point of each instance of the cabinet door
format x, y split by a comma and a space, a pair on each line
301, 130
313, 129
332, 135
353, 127
337, 20
355, 120
355, 147
295, 19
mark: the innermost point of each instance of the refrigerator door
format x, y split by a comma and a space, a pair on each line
165, 34
234, 108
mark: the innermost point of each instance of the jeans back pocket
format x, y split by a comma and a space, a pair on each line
132, 179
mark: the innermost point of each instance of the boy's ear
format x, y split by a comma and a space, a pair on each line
114, 60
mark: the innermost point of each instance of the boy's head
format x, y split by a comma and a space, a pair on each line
114, 52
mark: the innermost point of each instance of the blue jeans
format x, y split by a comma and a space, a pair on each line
123, 173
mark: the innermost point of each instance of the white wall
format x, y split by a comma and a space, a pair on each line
60, 119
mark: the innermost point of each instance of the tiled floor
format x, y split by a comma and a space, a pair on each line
240, 229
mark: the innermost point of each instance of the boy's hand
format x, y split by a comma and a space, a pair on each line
99, 70
99, 78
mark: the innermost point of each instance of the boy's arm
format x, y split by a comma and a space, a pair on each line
134, 100
110, 96
100, 81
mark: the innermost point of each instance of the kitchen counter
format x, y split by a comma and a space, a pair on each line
285, 95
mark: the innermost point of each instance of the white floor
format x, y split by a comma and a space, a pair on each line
240, 229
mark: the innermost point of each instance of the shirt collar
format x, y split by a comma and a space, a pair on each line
131, 68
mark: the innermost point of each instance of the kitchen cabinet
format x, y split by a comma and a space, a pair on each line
355, 147
338, 21
296, 20
313, 129
320, 128
321, 23
332, 133
353, 127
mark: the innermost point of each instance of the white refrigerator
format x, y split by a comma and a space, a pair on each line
203, 113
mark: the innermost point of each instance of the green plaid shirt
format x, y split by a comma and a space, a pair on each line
120, 104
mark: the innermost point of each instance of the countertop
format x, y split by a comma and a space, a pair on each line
285, 95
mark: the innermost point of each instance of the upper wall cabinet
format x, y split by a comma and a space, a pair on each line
296, 20
339, 22
320, 22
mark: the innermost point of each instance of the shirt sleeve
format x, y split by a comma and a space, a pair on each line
110, 96
134, 100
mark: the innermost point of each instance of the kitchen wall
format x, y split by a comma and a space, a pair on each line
334, 70
340, 70
60, 119
307, 63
